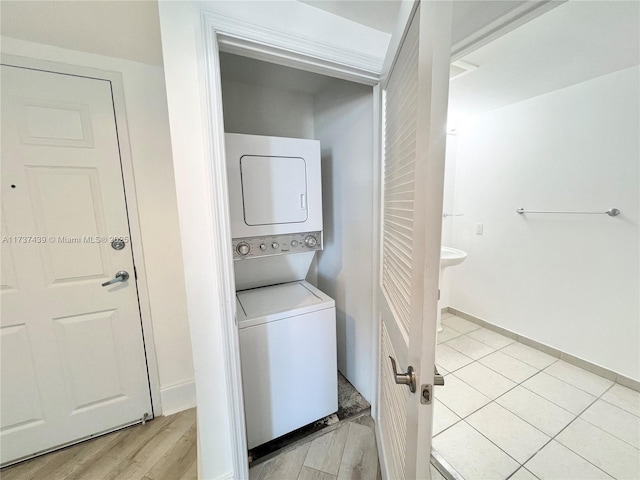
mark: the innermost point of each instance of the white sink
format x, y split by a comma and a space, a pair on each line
451, 256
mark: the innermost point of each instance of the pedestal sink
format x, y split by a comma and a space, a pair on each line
449, 257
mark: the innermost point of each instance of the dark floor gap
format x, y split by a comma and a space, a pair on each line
350, 404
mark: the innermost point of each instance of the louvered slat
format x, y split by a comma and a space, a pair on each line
393, 411
399, 179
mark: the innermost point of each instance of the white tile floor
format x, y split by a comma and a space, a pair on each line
509, 411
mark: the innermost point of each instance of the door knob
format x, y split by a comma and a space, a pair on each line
121, 276
408, 378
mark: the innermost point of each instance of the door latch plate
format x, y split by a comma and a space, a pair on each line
426, 394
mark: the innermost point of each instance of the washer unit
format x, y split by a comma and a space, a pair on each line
288, 352
286, 326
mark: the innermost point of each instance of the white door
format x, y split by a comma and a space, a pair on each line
414, 118
73, 361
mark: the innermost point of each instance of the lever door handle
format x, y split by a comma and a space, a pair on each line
408, 378
121, 276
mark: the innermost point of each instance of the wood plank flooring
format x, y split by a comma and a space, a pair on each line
162, 449
165, 449
347, 453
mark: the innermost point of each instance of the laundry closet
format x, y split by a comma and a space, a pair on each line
304, 271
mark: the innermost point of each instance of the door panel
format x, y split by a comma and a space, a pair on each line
67, 208
414, 118
88, 350
73, 362
20, 396
398, 272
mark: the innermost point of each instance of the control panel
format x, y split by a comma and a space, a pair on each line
252, 247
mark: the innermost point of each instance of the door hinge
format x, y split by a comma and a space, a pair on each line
426, 394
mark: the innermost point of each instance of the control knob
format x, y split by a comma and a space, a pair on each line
274, 245
243, 248
263, 246
294, 243
310, 241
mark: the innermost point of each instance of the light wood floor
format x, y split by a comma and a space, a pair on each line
165, 449
347, 453
162, 449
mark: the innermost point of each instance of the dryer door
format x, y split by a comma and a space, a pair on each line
274, 190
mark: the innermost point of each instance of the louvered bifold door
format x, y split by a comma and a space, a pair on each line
397, 270
414, 119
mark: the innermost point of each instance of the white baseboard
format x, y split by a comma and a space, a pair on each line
179, 397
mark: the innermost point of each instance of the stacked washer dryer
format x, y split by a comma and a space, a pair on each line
286, 326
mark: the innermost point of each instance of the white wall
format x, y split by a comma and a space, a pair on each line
448, 206
568, 281
344, 126
255, 110
147, 118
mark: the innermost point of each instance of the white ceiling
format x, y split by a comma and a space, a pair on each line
378, 14
131, 29
122, 29
574, 42
468, 15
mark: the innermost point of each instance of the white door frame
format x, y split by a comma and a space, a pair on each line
220, 33
223, 33
126, 161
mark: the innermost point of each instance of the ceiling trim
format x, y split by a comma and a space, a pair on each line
262, 43
502, 25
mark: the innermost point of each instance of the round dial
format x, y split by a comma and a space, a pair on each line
275, 245
243, 248
263, 246
294, 243
310, 241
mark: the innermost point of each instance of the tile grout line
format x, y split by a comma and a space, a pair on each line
521, 465
567, 426
564, 356
525, 468
528, 378
463, 419
595, 426
552, 438
348, 426
576, 416
315, 470
344, 447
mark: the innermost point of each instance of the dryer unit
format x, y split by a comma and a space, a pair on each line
275, 203
274, 185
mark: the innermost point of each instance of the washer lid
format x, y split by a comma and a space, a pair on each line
264, 301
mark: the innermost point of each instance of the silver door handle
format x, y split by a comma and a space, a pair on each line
121, 276
438, 380
408, 378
